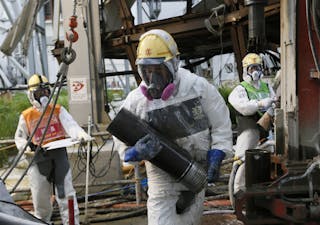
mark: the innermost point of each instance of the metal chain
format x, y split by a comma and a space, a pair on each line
74, 7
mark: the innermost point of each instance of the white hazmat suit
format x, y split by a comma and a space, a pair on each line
206, 104
248, 133
54, 160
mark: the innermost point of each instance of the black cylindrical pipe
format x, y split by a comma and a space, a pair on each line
171, 158
257, 170
256, 23
257, 166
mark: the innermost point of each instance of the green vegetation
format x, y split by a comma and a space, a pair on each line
225, 91
115, 94
11, 106
63, 98
10, 109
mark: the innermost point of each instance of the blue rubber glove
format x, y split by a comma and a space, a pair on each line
214, 157
131, 155
145, 149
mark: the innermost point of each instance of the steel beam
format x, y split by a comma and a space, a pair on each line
183, 29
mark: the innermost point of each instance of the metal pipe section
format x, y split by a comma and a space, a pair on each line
87, 173
257, 166
307, 174
139, 11
137, 183
256, 23
42, 43
24, 72
7, 10
257, 170
171, 158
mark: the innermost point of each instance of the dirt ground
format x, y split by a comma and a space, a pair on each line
103, 210
216, 219
100, 213
220, 219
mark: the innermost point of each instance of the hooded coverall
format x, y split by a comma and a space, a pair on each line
244, 98
197, 119
50, 166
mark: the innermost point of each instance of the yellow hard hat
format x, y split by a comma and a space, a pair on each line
251, 59
36, 81
156, 43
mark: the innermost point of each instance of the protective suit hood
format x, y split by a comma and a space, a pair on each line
163, 189
181, 84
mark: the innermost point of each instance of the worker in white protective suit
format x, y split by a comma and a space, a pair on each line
251, 98
49, 166
188, 111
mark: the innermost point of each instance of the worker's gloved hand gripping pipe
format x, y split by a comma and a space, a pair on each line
146, 148
151, 145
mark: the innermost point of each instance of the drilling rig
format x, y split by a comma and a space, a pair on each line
283, 187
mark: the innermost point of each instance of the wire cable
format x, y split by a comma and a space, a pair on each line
311, 41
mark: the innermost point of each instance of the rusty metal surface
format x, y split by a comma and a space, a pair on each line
285, 199
237, 36
192, 36
308, 89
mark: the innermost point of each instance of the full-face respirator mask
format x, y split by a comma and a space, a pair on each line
158, 79
39, 91
255, 72
42, 95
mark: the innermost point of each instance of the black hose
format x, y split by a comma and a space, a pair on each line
311, 41
137, 212
108, 191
